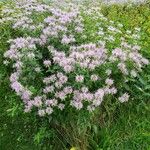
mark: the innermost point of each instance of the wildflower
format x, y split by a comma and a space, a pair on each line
108, 72
49, 102
61, 106
79, 78
48, 89
58, 84
14, 77
91, 108
68, 68
47, 63
84, 89
31, 55
94, 59
109, 82
17, 87
6, 62
99, 94
38, 69
124, 98
145, 61
79, 29
78, 105
63, 79
37, 101
49, 110
133, 73
94, 77
113, 90
41, 112
123, 68
67, 40
68, 90
25, 95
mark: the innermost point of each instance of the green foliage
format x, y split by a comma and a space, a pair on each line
113, 126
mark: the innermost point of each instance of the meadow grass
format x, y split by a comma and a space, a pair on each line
116, 127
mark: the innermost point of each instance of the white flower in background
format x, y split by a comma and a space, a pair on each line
124, 98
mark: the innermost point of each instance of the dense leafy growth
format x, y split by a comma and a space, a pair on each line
73, 66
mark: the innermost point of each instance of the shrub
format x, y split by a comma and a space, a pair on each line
65, 62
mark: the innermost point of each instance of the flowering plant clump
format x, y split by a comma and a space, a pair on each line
67, 64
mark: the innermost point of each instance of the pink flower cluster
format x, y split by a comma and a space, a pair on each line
87, 56
69, 77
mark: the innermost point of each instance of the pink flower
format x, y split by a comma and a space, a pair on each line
68, 68
49, 110
61, 106
68, 90
99, 94
49, 102
37, 101
25, 95
89, 96
113, 90
124, 98
77, 105
48, 89
108, 72
94, 77
41, 112
58, 84
91, 108
17, 87
14, 77
145, 61
47, 63
79, 78
63, 79
133, 73
109, 82
84, 89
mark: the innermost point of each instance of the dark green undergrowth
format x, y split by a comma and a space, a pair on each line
113, 127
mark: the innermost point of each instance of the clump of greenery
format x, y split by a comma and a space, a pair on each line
112, 126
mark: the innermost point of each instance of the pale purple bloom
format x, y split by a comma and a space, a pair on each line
63, 79
58, 84
133, 73
68, 90
37, 101
48, 89
145, 61
47, 63
41, 112
49, 110
79, 78
61, 106
14, 77
25, 95
99, 94
17, 87
108, 72
84, 89
109, 82
94, 77
90, 108
68, 68
37, 69
49, 102
124, 98
77, 105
